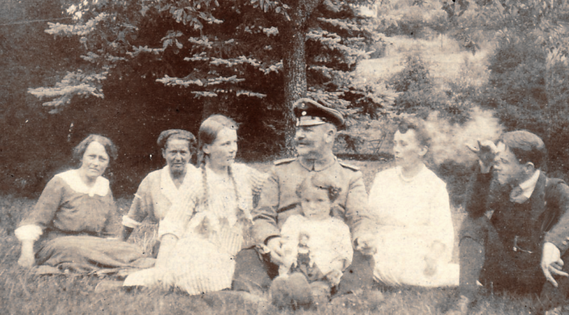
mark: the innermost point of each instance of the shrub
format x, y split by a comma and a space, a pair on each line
528, 90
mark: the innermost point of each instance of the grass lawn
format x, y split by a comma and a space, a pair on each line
21, 293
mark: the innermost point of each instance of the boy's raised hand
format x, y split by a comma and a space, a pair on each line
486, 151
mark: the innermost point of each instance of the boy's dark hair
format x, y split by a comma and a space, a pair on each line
409, 123
320, 181
526, 146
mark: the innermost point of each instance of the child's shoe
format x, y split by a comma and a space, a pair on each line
291, 291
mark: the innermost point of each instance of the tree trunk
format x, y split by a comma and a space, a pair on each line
295, 87
294, 62
210, 107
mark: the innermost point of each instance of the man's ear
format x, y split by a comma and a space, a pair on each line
331, 134
163, 153
529, 167
205, 148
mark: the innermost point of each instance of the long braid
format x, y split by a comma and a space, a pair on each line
232, 176
243, 221
205, 187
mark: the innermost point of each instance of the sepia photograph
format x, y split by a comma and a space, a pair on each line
284, 157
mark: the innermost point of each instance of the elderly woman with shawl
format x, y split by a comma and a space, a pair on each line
161, 188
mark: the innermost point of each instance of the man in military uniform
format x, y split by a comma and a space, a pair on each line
315, 134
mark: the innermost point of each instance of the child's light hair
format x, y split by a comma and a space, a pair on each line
320, 181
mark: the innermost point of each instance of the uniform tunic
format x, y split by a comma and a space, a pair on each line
209, 233
413, 214
71, 219
279, 200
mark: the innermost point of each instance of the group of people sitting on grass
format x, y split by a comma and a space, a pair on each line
307, 232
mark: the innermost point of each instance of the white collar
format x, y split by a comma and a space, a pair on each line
528, 186
74, 181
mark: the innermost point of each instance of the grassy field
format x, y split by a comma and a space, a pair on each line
22, 293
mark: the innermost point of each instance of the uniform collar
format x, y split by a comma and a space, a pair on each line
318, 165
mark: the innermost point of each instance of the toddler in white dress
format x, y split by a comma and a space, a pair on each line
317, 247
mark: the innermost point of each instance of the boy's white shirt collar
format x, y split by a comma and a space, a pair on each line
528, 186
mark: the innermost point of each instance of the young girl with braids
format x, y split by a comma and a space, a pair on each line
317, 247
206, 228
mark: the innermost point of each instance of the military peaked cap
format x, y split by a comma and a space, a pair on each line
312, 113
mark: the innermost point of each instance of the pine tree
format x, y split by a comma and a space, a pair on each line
249, 58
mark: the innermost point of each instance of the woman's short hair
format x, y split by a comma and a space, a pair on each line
320, 181
526, 146
209, 130
110, 148
177, 134
421, 134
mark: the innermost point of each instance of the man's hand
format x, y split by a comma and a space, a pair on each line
486, 152
366, 244
551, 263
275, 245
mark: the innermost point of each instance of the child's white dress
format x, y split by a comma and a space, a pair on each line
328, 242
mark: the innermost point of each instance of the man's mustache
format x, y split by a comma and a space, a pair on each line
304, 142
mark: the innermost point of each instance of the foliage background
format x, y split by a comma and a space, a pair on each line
511, 63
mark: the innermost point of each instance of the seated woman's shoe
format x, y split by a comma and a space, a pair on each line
291, 291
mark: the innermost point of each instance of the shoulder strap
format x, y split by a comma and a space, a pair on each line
284, 161
348, 166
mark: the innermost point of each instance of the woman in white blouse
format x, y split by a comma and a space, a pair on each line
160, 189
207, 225
415, 235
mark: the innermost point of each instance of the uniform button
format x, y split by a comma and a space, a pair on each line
564, 243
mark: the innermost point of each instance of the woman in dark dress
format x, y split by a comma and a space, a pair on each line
71, 220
